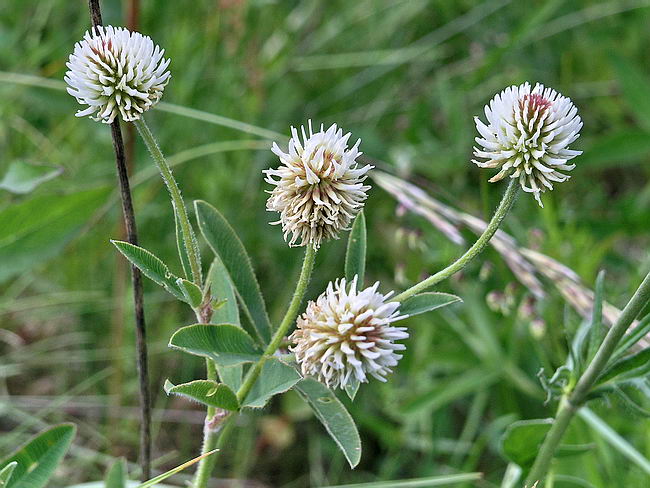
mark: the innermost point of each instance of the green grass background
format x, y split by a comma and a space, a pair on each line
407, 77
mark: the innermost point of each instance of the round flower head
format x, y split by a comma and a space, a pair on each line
347, 334
527, 136
116, 72
319, 186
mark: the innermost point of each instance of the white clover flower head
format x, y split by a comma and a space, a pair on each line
319, 186
116, 73
347, 334
527, 136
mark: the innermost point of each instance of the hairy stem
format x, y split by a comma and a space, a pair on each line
502, 210
177, 198
572, 401
136, 277
287, 321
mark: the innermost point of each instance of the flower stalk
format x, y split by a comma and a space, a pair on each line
572, 401
502, 210
177, 198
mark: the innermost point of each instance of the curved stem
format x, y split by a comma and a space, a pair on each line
177, 198
210, 437
287, 321
571, 402
502, 210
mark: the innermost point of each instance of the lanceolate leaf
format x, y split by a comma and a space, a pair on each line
156, 481
355, 257
425, 302
37, 460
352, 387
521, 440
5, 474
226, 311
191, 292
116, 476
225, 344
222, 239
276, 377
207, 392
333, 415
152, 267
629, 367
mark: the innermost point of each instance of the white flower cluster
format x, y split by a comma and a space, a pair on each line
319, 187
527, 136
348, 334
116, 73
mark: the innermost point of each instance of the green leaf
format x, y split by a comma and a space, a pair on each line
355, 257
521, 440
152, 267
191, 292
116, 476
275, 377
630, 367
333, 415
180, 245
635, 86
428, 482
352, 387
207, 392
37, 460
225, 344
640, 331
37, 229
425, 302
22, 177
224, 242
223, 291
6, 472
173, 471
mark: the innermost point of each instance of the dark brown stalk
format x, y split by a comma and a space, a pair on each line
138, 299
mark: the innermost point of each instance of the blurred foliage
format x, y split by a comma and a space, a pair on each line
406, 76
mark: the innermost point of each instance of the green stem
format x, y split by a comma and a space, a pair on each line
571, 402
287, 321
211, 438
502, 210
177, 198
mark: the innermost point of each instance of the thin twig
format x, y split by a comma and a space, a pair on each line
138, 299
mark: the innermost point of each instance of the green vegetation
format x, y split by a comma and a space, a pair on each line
407, 77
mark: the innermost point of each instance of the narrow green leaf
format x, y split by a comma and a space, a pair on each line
447, 480
425, 302
37, 460
635, 86
352, 387
6, 472
640, 331
22, 177
207, 392
173, 471
225, 344
36, 230
333, 415
635, 365
275, 377
116, 476
191, 292
521, 440
223, 291
152, 267
355, 257
180, 246
224, 242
